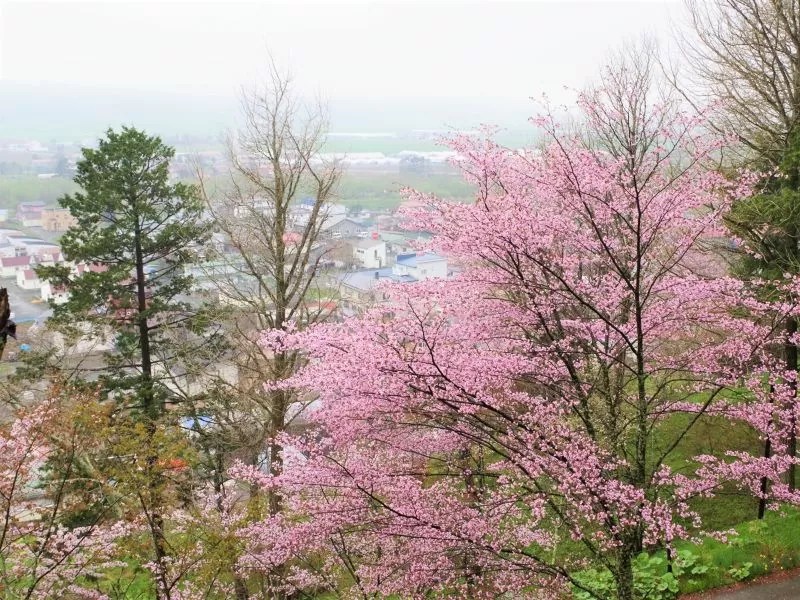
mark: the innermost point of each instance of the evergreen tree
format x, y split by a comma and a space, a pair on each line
135, 234
769, 224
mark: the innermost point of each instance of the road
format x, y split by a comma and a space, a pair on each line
779, 590
25, 304
778, 586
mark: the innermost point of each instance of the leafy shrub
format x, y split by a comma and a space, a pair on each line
741, 573
651, 581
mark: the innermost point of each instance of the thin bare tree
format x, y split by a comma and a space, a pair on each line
745, 58
269, 215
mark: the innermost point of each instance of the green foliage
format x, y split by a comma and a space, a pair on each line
651, 581
757, 548
687, 561
769, 221
742, 572
594, 583
137, 230
140, 228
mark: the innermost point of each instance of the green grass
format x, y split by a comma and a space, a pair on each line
758, 548
755, 548
376, 191
710, 436
770, 545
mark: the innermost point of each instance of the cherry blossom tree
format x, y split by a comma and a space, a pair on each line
504, 429
41, 557
69, 521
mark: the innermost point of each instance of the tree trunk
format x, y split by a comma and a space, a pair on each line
240, 589
277, 422
791, 365
762, 502
5, 315
153, 413
764, 488
148, 399
624, 573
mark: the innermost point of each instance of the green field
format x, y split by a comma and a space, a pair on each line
29, 188
377, 191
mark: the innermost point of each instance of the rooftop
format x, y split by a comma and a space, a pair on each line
15, 261
368, 243
366, 279
413, 259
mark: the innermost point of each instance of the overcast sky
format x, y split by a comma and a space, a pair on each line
379, 48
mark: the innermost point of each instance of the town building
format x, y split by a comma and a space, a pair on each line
29, 214
358, 288
421, 266
48, 257
10, 265
370, 254
9, 235
27, 279
335, 224
57, 219
33, 246
7, 250
339, 226
53, 293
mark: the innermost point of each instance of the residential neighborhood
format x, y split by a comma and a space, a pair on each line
357, 250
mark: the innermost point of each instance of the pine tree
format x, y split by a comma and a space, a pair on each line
135, 234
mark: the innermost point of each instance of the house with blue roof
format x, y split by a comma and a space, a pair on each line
358, 287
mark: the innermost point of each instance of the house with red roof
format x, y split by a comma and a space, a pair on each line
11, 265
28, 280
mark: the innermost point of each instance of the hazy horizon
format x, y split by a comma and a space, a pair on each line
71, 69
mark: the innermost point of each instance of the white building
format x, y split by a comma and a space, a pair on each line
31, 245
421, 266
370, 254
9, 235
58, 295
28, 280
31, 219
330, 213
358, 287
48, 258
